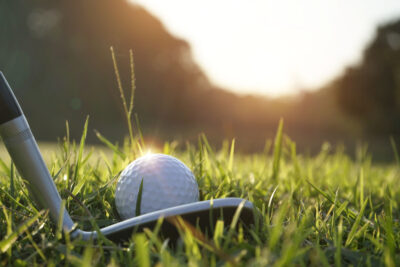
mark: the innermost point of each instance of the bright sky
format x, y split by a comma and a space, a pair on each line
274, 47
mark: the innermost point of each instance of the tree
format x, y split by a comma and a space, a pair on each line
56, 55
370, 91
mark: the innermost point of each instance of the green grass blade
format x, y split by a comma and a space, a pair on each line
271, 198
236, 216
276, 231
231, 156
142, 254
14, 201
361, 187
277, 151
8, 241
295, 160
341, 208
127, 110
12, 183
338, 243
233, 224
356, 224
321, 192
218, 233
38, 250
87, 257
83, 140
133, 81
139, 199
114, 148
60, 229
80, 151
141, 144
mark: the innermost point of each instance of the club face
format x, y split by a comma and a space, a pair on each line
202, 215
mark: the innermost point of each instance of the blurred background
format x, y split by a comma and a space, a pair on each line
230, 69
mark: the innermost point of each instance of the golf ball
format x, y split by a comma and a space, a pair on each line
167, 182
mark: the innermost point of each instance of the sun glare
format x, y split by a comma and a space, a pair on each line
148, 153
273, 47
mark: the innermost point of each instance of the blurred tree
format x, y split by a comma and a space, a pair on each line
56, 55
370, 91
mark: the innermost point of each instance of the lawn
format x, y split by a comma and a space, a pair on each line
322, 210
316, 210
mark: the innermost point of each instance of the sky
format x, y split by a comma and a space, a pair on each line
274, 47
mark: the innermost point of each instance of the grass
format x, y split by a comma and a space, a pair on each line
321, 210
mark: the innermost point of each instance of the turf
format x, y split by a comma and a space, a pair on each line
326, 209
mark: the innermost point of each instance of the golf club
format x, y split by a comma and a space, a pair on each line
24, 151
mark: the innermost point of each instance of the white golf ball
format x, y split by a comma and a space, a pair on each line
167, 182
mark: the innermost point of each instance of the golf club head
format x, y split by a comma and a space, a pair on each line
200, 215
23, 149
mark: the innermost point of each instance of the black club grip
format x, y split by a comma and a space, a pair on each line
9, 107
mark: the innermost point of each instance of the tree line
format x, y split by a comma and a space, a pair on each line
56, 55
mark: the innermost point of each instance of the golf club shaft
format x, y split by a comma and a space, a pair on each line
23, 149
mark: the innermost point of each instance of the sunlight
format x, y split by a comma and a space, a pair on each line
147, 153
273, 47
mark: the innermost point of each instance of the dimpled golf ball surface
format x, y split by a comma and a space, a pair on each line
167, 182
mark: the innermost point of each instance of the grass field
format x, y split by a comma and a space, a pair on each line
320, 211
